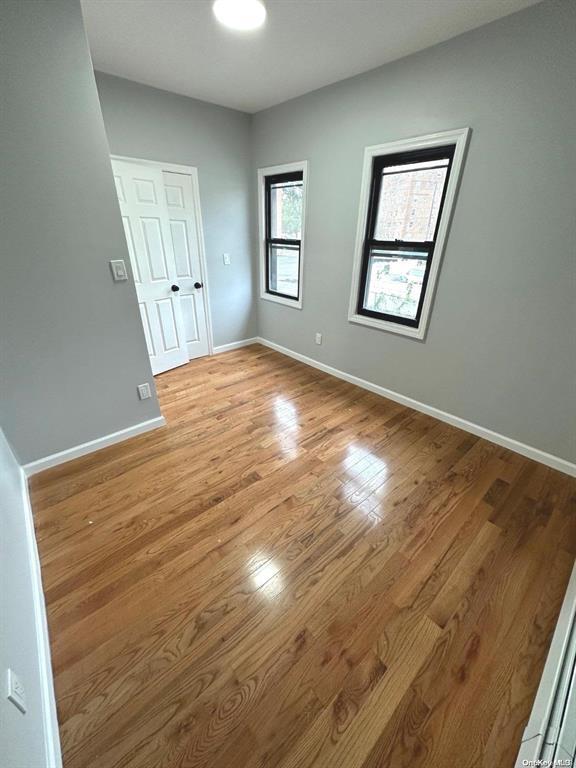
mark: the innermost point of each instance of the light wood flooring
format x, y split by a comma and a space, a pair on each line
296, 572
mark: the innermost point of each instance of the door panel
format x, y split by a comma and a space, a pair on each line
146, 191
147, 329
167, 319
185, 235
179, 232
155, 249
174, 196
190, 316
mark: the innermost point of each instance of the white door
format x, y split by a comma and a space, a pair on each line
158, 215
185, 239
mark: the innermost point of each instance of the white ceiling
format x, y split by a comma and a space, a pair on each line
305, 44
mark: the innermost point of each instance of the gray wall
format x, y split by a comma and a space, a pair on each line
500, 349
22, 737
72, 348
156, 125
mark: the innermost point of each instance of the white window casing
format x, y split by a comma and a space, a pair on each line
459, 139
275, 170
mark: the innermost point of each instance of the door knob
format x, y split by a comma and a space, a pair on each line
175, 288
198, 285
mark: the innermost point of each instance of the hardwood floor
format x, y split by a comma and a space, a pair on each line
297, 572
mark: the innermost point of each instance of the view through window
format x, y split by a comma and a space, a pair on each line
284, 199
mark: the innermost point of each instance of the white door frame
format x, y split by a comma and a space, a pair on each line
191, 171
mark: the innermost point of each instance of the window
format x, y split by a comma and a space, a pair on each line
281, 224
408, 190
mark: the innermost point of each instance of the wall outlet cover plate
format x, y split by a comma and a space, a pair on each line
15, 691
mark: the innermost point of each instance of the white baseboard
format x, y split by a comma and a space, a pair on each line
494, 437
93, 445
50, 719
235, 345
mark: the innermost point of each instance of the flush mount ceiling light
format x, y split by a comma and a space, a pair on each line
240, 14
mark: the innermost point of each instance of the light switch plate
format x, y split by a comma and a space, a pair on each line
144, 391
118, 268
318, 338
226, 258
15, 691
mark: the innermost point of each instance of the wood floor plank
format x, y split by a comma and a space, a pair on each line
337, 739
297, 572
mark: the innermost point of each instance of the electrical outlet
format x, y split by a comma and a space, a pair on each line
318, 338
226, 259
144, 391
15, 691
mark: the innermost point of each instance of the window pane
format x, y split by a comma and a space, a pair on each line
283, 269
410, 202
286, 210
394, 282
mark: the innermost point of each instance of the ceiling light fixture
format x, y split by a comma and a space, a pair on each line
240, 14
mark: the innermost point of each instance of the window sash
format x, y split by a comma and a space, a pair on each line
278, 242
269, 182
400, 248
371, 243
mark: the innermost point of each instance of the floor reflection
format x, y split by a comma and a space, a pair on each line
286, 415
363, 473
265, 574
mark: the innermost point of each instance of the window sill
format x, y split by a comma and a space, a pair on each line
294, 303
385, 325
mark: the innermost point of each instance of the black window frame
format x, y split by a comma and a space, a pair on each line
379, 163
270, 241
